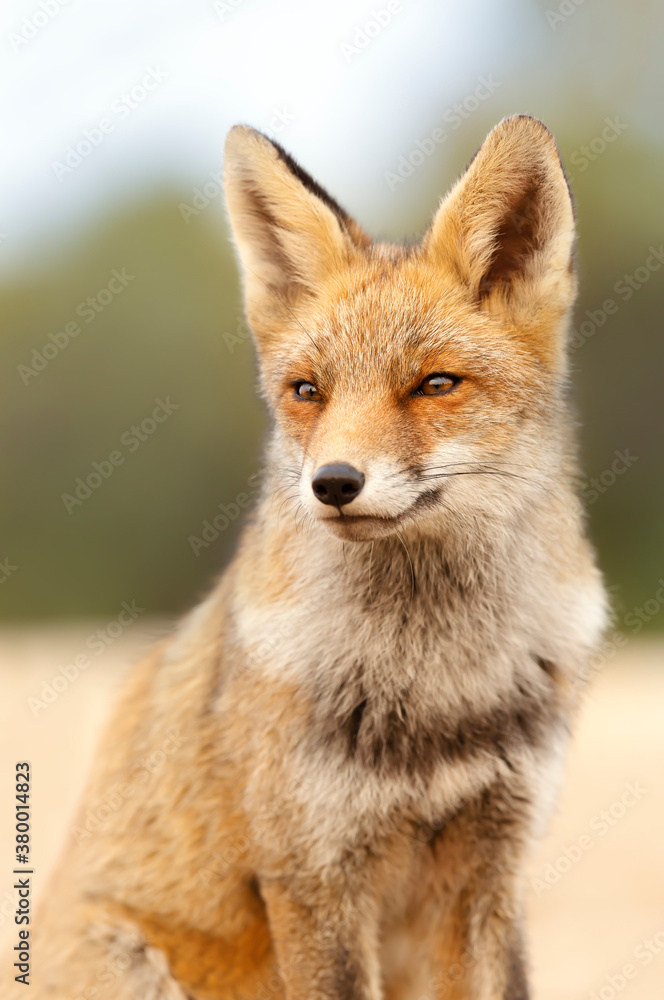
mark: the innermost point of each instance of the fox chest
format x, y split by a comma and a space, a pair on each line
356, 777
398, 725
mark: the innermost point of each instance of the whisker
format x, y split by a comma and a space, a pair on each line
291, 496
484, 472
284, 486
290, 500
491, 466
479, 472
371, 552
300, 508
449, 465
287, 308
412, 568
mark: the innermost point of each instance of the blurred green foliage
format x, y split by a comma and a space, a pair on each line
169, 333
160, 337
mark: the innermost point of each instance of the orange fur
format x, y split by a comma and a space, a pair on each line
324, 785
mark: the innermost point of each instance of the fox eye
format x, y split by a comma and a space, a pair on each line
307, 390
437, 384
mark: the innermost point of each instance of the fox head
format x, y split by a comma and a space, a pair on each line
418, 386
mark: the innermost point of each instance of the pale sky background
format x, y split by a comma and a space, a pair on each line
352, 117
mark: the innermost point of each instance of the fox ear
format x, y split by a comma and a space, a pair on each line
289, 233
506, 228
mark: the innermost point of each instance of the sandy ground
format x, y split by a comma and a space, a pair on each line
596, 898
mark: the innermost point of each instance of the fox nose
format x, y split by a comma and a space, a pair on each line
337, 484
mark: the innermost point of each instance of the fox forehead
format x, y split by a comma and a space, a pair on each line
392, 319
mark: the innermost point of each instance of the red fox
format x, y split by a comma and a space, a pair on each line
356, 738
